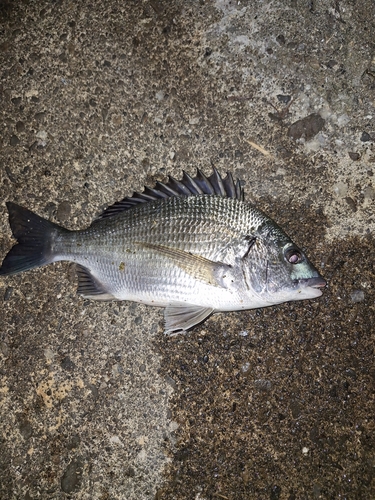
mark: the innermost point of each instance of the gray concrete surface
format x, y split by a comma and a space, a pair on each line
101, 98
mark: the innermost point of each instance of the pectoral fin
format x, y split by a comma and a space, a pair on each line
200, 268
182, 316
90, 287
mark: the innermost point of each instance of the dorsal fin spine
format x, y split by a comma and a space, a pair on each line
200, 185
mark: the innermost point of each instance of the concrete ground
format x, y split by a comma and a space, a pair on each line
101, 98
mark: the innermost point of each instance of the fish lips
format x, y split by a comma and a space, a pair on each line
311, 286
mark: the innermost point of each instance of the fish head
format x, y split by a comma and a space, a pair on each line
277, 270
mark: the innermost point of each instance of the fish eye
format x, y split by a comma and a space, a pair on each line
293, 255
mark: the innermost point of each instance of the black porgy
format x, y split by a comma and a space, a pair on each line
193, 246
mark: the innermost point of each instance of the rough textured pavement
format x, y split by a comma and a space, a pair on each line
101, 98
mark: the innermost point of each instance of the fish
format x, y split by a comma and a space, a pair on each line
192, 246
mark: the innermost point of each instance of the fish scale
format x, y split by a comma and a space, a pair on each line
192, 246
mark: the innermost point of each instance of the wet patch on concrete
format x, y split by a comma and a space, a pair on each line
278, 403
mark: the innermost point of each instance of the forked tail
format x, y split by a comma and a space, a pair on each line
34, 236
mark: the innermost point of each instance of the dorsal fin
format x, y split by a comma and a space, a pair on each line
187, 186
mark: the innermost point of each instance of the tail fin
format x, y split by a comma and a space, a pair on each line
34, 235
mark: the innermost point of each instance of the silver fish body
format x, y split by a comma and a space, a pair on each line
191, 252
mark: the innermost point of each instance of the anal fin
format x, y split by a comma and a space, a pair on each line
182, 316
90, 287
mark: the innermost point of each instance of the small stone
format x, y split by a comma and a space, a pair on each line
275, 492
295, 408
357, 296
331, 63
67, 364
160, 95
25, 429
14, 140
352, 204
63, 211
117, 370
138, 320
63, 57
42, 135
129, 472
369, 193
280, 39
94, 391
245, 367
365, 137
8, 293
194, 121
116, 440
49, 354
4, 348
50, 207
39, 116
116, 120
263, 385
74, 442
283, 98
20, 126
354, 156
105, 112
171, 382
71, 479
340, 189
307, 127
182, 454
351, 373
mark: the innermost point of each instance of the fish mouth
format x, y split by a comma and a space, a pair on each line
316, 282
